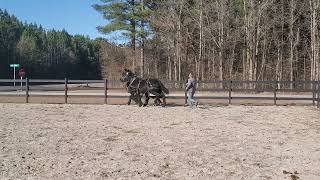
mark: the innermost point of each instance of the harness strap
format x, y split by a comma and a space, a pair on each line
135, 88
139, 84
130, 85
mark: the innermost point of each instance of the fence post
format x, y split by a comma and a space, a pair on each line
313, 84
230, 90
275, 93
105, 91
27, 90
65, 90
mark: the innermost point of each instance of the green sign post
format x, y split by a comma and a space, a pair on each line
14, 66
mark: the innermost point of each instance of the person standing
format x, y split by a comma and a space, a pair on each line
191, 89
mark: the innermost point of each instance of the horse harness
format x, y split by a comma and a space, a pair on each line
136, 89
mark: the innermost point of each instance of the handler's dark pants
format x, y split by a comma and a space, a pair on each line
191, 101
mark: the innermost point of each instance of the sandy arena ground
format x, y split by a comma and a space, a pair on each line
43, 141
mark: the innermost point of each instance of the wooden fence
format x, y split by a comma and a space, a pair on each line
229, 86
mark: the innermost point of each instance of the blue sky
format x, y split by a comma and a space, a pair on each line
75, 16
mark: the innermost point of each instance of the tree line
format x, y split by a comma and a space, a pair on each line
219, 39
167, 39
46, 53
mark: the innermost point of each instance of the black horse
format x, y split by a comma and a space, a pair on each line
138, 87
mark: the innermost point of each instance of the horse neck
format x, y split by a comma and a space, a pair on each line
132, 80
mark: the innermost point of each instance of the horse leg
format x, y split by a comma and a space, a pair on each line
147, 99
139, 99
164, 101
130, 97
159, 100
156, 101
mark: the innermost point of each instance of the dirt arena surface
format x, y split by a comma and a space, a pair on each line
43, 141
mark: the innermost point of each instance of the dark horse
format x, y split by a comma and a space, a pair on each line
138, 87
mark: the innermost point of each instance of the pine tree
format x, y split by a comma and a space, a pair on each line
130, 17
45, 54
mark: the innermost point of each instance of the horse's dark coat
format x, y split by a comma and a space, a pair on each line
138, 87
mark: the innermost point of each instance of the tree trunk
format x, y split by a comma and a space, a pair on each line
156, 69
142, 57
278, 66
314, 5
133, 45
142, 36
244, 65
232, 59
263, 63
221, 39
249, 62
291, 39
200, 39
175, 70
170, 68
133, 37
256, 49
180, 69
213, 63
169, 65
177, 63
304, 72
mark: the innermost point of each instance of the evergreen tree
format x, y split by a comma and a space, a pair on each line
46, 54
10, 31
130, 17
121, 16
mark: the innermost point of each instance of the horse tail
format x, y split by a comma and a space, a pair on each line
163, 88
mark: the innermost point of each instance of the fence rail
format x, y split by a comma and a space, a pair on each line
230, 86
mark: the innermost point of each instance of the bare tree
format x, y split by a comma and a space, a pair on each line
315, 69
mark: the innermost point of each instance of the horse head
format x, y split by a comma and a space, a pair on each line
127, 75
